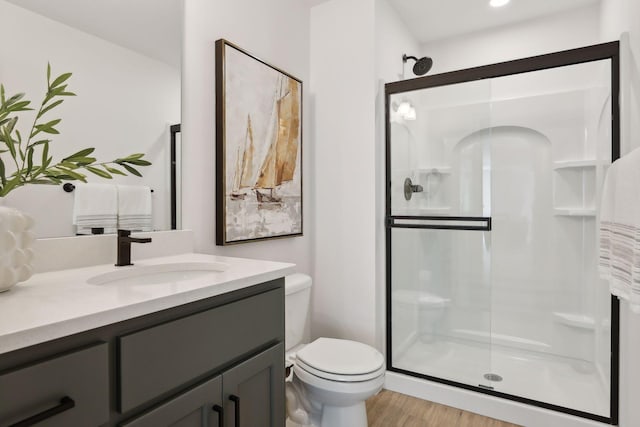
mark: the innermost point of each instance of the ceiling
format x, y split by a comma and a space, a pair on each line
430, 20
154, 28
150, 27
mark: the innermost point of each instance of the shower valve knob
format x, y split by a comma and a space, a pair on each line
409, 189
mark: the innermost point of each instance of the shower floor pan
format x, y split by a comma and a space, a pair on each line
551, 379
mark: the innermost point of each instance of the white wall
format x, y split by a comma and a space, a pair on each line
125, 104
342, 86
534, 37
349, 66
276, 31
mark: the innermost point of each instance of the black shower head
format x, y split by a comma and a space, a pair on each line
422, 65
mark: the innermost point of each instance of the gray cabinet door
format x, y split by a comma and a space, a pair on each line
253, 391
199, 406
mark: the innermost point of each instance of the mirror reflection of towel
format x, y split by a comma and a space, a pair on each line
95, 206
134, 208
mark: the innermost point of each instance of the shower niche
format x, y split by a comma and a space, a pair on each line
492, 280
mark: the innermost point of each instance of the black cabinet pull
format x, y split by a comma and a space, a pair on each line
220, 411
236, 401
66, 403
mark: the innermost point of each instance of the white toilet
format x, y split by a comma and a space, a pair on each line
331, 377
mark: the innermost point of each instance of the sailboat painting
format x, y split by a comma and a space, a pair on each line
258, 149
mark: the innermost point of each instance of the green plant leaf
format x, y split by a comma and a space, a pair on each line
135, 156
11, 125
131, 170
15, 98
45, 159
68, 165
40, 142
2, 100
139, 162
21, 106
10, 185
48, 74
67, 174
50, 107
3, 177
114, 170
51, 123
9, 142
60, 79
99, 172
29, 161
51, 131
84, 161
81, 153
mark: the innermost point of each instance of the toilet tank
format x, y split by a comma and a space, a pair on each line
297, 291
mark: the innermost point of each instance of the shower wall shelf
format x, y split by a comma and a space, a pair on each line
575, 164
579, 212
445, 170
574, 187
575, 320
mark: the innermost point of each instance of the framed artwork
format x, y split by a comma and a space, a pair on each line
258, 149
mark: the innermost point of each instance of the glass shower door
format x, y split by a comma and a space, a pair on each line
495, 176
439, 232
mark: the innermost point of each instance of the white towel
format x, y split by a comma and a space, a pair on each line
619, 256
134, 208
95, 206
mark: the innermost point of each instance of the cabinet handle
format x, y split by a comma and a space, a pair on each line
66, 403
236, 401
220, 411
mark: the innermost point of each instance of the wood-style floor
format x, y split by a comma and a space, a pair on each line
390, 409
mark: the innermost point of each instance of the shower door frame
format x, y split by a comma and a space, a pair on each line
581, 55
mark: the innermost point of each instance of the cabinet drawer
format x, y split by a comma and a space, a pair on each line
159, 359
81, 377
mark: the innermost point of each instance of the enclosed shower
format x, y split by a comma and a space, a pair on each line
493, 189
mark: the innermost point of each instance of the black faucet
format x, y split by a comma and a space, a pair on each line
124, 246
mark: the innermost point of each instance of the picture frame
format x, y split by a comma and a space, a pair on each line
258, 149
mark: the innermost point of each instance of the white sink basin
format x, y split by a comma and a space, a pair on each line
160, 274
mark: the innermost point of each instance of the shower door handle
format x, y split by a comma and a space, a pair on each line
469, 223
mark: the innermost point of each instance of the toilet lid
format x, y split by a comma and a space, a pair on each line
344, 359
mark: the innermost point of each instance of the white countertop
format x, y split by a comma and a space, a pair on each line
61, 303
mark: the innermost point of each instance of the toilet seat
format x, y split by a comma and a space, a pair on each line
341, 360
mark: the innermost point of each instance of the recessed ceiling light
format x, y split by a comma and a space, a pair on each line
498, 3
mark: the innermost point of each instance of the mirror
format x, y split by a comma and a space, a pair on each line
125, 58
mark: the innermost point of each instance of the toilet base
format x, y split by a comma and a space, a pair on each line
332, 416
352, 416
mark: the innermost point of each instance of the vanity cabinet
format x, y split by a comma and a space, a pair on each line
216, 360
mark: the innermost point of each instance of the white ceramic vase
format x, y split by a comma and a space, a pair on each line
16, 247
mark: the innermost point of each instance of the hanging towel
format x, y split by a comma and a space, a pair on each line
619, 254
95, 206
134, 208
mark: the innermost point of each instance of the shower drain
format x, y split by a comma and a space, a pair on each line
493, 377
